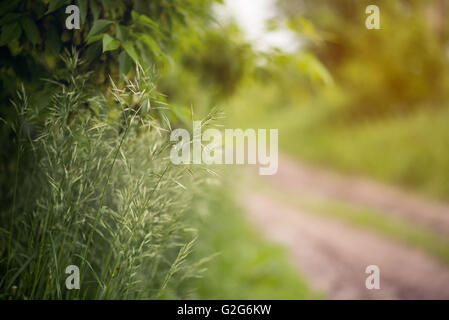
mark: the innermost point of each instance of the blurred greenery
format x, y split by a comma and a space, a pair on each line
242, 265
391, 71
380, 104
366, 102
75, 186
369, 102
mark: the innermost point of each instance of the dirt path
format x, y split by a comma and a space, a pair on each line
333, 256
307, 180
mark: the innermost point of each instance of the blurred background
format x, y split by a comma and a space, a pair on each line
362, 115
362, 118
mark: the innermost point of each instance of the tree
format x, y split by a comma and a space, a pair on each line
33, 34
396, 69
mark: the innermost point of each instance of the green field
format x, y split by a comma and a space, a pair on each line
243, 264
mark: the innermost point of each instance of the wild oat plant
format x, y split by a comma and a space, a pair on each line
93, 186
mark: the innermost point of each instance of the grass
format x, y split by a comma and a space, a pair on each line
96, 192
93, 187
408, 150
243, 265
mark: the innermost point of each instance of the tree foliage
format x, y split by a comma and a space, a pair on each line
85, 176
113, 35
397, 69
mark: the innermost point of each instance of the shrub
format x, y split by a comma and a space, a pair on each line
94, 187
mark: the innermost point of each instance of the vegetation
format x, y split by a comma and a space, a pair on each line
86, 114
254, 268
85, 174
375, 102
113, 35
97, 193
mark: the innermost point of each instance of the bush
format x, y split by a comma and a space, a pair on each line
93, 187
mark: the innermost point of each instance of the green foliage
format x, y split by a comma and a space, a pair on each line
97, 192
409, 151
394, 70
33, 34
212, 65
241, 264
221, 59
384, 113
85, 177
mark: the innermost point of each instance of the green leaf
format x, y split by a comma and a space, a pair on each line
152, 45
131, 51
109, 43
10, 32
93, 51
98, 27
9, 18
31, 30
125, 64
122, 33
52, 43
95, 38
55, 5
82, 4
144, 21
94, 8
14, 47
308, 64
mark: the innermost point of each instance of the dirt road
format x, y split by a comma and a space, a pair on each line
333, 255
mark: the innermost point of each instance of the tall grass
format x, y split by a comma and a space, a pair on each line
92, 186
